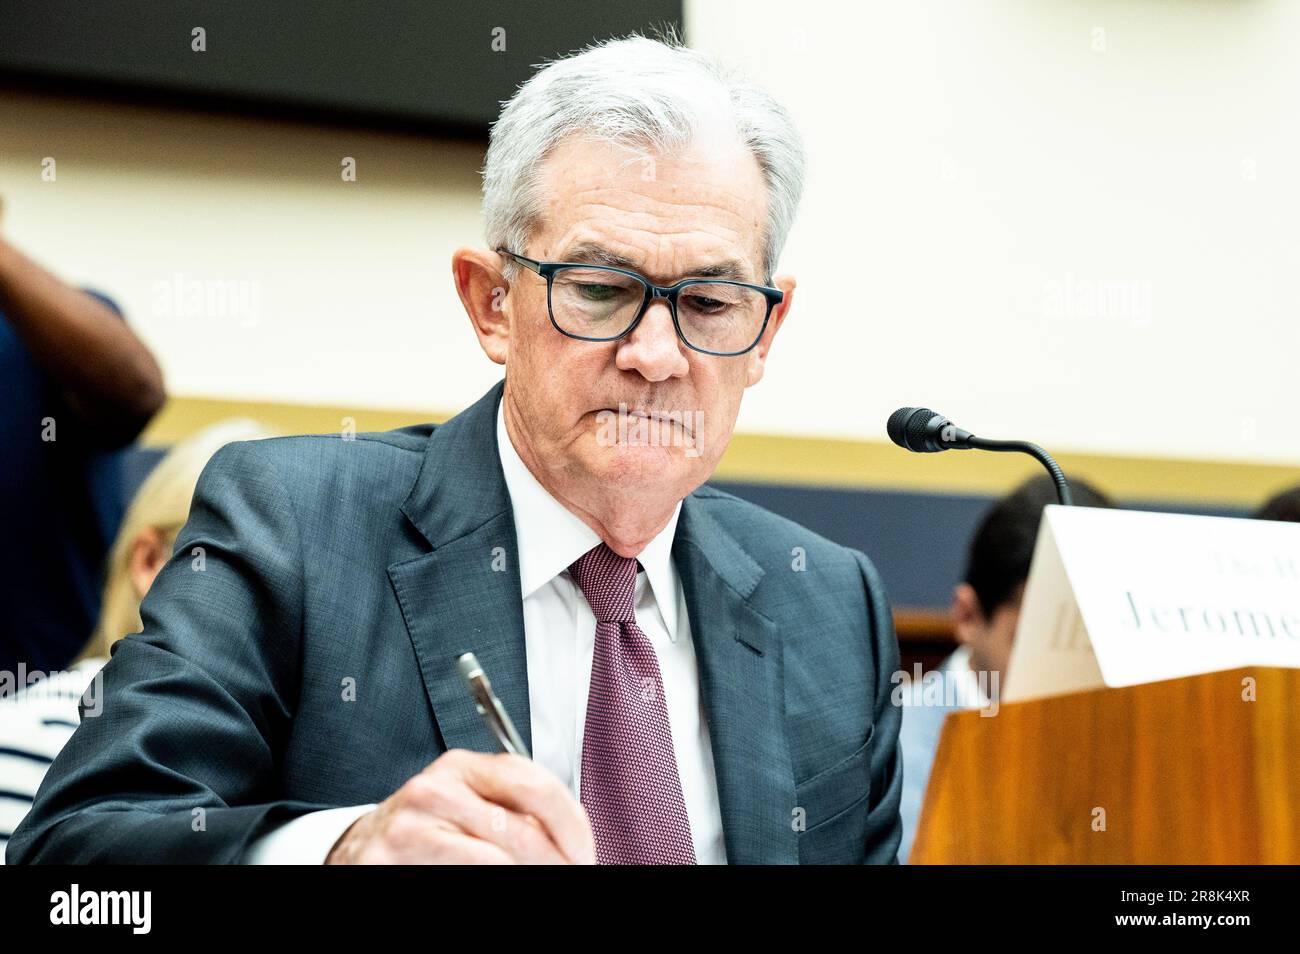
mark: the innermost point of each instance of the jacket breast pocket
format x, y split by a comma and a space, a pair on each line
834, 803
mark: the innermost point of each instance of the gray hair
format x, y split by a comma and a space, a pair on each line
642, 92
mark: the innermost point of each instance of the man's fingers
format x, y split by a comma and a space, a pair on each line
450, 798
446, 846
526, 787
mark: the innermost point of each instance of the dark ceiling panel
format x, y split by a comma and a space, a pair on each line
406, 63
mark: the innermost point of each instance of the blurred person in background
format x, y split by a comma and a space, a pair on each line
985, 610
1284, 506
77, 385
38, 720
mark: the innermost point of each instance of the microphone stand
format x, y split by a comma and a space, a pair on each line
1033, 450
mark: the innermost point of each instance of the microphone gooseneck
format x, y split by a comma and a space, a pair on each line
923, 431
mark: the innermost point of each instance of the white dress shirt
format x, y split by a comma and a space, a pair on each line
560, 638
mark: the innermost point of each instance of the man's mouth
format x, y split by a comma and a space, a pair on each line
683, 419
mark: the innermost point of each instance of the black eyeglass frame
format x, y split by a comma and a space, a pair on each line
548, 271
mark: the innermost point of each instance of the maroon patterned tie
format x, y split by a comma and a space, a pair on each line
630, 786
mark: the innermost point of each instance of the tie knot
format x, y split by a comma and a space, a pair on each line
608, 581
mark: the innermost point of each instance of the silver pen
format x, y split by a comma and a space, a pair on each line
489, 706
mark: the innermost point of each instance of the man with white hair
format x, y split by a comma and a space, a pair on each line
698, 680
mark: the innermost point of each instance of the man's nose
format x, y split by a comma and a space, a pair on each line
653, 348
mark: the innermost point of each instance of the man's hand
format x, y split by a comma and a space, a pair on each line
473, 808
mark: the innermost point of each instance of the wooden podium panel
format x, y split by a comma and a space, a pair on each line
1186, 771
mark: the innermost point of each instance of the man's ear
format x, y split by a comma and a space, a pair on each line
757, 359
146, 556
483, 288
967, 617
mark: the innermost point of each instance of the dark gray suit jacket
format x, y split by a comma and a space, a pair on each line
305, 658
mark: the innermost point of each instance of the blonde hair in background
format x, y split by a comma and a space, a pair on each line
163, 504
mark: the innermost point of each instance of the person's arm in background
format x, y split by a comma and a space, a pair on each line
109, 378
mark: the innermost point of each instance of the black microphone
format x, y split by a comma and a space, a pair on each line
924, 431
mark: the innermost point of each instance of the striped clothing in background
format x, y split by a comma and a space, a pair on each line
35, 723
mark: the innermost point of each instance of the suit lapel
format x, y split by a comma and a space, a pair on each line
739, 654
464, 596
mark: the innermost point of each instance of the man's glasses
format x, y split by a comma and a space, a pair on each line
603, 303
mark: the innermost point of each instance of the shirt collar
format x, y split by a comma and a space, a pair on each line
550, 537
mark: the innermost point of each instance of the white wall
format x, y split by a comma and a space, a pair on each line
974, 160
355, 304
977, 167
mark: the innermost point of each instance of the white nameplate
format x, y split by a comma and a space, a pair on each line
1121, 597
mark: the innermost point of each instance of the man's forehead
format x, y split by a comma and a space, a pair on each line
608, 204
579, 165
